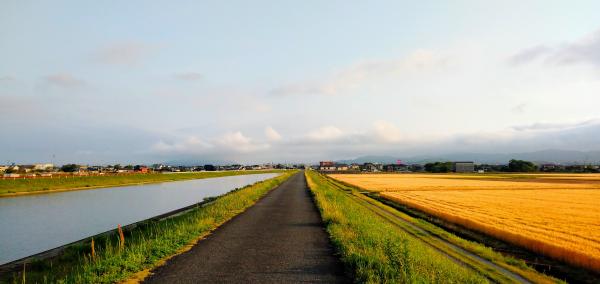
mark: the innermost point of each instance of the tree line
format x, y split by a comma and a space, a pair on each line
512, 166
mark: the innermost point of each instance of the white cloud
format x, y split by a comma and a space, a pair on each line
64, 80
359, 74
193, 145
124, 53
236, 141
229, 142
234, 138
272, 134
386, 131
326, 133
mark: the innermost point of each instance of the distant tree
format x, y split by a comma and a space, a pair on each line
439, 167
10, 170
429, 167
117, 167
416, 168
128, 167
210, 168
521, 166
69, 168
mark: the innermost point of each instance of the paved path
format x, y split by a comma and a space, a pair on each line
279, 239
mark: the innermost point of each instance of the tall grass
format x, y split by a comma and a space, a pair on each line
147, 245
12, 186
375, 251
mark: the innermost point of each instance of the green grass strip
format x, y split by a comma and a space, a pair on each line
374, 250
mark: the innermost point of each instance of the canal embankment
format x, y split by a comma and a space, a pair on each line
14, 187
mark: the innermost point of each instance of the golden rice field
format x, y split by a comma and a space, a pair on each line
554, 214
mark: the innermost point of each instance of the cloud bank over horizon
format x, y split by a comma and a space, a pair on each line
197, 85
333, 143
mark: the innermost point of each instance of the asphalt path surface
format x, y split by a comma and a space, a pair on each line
279, 239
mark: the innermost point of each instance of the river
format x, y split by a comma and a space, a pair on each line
36, 223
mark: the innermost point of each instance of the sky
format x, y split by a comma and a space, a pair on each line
101, 82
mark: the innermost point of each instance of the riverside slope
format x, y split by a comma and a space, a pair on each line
279, 239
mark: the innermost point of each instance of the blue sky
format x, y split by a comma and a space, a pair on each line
260, 81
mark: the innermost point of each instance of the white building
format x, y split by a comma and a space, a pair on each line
43, 167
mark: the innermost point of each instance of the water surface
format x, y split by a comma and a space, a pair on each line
36, 223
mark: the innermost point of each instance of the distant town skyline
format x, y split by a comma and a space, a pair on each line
282, 81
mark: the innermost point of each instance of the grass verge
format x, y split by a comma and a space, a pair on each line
145, 246
374, 250
12, 187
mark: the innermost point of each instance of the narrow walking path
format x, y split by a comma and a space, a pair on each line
279, 239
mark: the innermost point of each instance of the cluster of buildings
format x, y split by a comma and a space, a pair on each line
233, 167
330, 166
48, 170
547, 168
463, 167
32, 169
569, 168
457, 167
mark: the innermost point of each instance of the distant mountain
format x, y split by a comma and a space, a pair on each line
373, 159
540, 157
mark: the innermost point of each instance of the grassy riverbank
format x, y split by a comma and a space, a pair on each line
385, 245
145, 246
10, 187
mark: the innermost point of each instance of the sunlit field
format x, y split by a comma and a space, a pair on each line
410, 182
554, 214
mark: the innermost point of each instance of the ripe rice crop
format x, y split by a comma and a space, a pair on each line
555, 215
405, 182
